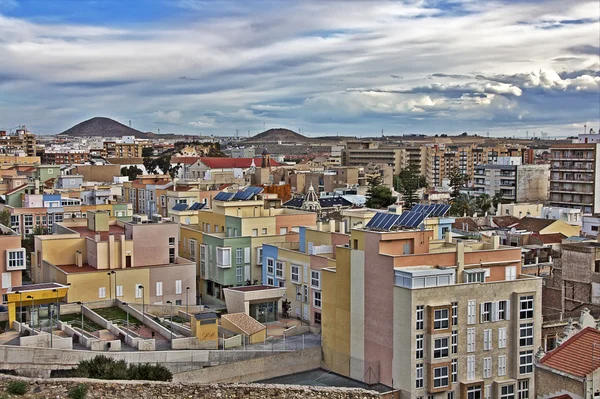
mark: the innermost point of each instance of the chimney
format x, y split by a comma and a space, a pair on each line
460, 261
97, 237
111, 251
320, 225
342, 227
448, 236
331, 225
78, 259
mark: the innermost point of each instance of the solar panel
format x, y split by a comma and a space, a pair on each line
417, 208
390, 220
375, 220
180, 207
196, 206
223, 196
410, 219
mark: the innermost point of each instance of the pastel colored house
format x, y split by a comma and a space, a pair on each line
205, 326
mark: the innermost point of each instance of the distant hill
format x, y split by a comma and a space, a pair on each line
104, 127
272, 136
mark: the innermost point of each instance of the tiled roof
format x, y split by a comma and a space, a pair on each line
14, 190
574, 356
552, 238
505, 221
184, 160
534, 224
222, 163
464, 223
244, 322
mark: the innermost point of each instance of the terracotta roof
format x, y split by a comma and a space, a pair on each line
116, 230
223, 163
244, 322
534, 224
462, 223
552, 238
85, 268
505, 221
574, 356
184, 160
14, 190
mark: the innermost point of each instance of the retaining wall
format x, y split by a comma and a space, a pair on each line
165, 310
147, 320
192, 343
233, 342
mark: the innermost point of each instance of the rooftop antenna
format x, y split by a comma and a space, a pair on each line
237, 133
264, 128
488, 134
248, 132
158, 131
527, 134
381, 132
130, 123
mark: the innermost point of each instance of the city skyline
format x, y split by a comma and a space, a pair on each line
347, 68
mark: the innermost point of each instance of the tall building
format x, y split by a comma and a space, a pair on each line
20, 142
12, 260
431, 317
575, 176
361, 153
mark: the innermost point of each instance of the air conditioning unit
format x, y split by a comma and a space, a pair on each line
140, 219
157, 218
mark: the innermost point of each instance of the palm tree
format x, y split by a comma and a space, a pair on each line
497, 200
463, 205
484, 203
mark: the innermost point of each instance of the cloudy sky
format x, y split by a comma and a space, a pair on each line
325, 67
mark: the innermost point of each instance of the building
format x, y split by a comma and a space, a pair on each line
243, 152
575, 177
63, 155
12, 261
148, 194
135, 261
361, 153
205, 326
21, 142
513, 181
571, 216
313, 203
590, 226
126, 148
431, 317
520, 210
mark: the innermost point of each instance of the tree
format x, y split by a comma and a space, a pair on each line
147, 152
286, 306
173, 170
5, 217
408, 182
484, 203
150, 165
457, 181
378, 196
28, 242
132, 172
462, 205
497, 200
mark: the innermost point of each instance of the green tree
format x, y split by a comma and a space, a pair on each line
147, 152
150, 165
457, 181
408, 182
378, 196
462, 205
497, 200
132, 172
484, 203
5, 217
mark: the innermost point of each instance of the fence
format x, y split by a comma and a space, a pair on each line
270, 344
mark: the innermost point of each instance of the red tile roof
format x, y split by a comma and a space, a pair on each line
222, 163
117, 231
534, 224
552, 238
463, 223
505, 221
184, 160
14, 190
574, 356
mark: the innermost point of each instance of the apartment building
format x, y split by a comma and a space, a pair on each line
101, 259
575, 176
64, 155
12, 261
119, 149
431, 317
361, 153
20, 142
226, 244
148, 194
513, 181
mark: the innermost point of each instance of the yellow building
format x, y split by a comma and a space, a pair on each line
206, 327
240, 323
24, 302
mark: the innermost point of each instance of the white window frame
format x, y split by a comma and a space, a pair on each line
223, 261
6, 280
317, 299
420, 317
485, 315
15, 259
139, 291
501, 365
454, 342
487, 367
270, 281
419, 376
454, 371
470, 368
471, 314
471, 340
295, 273
439, 319
315, 279
178, 287
239, 274
159, 288
487, 392
420, 351
239, 256
525, 311
193, 254
279, 269
525, 334
119, 290
443, 379
526, 361
523, 389
454, 313
101, 292
510, 273
441, 348
487, 339
259, 255
270, 266
507, 395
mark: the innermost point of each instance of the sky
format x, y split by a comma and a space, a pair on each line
319, 67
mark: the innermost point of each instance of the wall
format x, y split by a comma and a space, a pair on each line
548, 384
99, 173
168, 275
9, 242
193, 343
85, 285
59, 387
151, 244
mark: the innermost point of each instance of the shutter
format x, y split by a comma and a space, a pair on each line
178, 287
507, 311
494, 311
159, 288
310, 248
6, 280
490, 339
507, 273
305, 273
247, 272
247, 255
481, 310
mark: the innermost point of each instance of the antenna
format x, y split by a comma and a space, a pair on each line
130, 123
158, 131
237, 133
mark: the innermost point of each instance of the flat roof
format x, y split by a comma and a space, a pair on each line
36, 287
205, 315
85, 232
253, 288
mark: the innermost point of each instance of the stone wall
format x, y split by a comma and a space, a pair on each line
58, 388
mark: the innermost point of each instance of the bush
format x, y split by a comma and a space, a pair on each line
78, 392
17, 387
150, 372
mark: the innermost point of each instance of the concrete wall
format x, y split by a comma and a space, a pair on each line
233, 342
257, 369
148, 321
113, 346
178, 328
193, 343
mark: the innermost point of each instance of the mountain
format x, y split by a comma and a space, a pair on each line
104, 127
272, 136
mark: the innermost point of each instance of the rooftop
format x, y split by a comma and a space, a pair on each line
116, 230
534, 224
244, 322
70, 269
574, 356
249, 288
205, 315
36, 287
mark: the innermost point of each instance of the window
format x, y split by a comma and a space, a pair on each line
526, 362
279, 269
159, 290
487, 340
450, 395
440, 377
507, 392
526, 307
139, 291
454, 313
317, 318
526, 334
254, 232
420, 317
270, 281
171, 240
470, 339
172, 255
597, 266
440, 319
486, 311
119, 290
474, 392
177, 302
239, 256
501, 365
502, 337
270, 265
6, 280
475, 277
440, 348
283, 230
487, 367
264, 231
223, 257
419, 354
15, 259
523, 389
471, 312
470, 368
487, 392
317, 299
193, 251
238, 274
247, 255
510, 273
315, 279
295, 275
102, 292
454, 342
454, 370
419, 376
178, 287
503, 310
259, 252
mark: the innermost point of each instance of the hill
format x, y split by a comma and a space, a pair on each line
272, 136
103, 127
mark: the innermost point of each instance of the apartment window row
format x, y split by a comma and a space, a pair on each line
488, 311
488, 339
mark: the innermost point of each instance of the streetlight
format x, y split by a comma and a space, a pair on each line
81, 304
171, 319
56, 310
20, 307
115, 273
187, 300
127, 307
143, 304
109, 286
32, 305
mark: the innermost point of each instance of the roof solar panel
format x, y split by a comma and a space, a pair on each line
223, 196
417, 208
373, 223
196, 206
180, 207
390, 221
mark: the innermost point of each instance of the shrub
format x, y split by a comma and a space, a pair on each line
104, 368
17, 387
78, 392
150, 372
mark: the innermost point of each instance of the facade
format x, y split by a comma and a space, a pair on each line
361, 153
13, 261
590, 226
63, 156
148, 194
571, 216
431, 317
575, 177
21, 142
101, 259
121, 149
243, 152
520, 210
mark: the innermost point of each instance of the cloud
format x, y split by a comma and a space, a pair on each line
167, 116
203, 122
